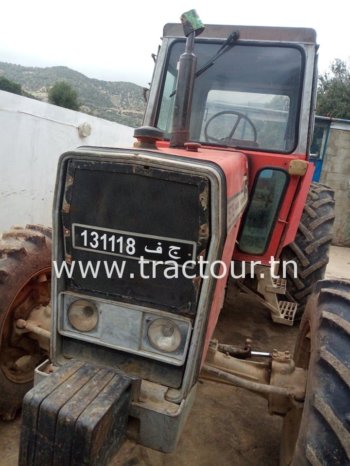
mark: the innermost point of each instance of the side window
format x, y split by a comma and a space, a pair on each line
167, 105
262, 211
319, 140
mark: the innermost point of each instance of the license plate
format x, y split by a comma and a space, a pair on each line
132, 245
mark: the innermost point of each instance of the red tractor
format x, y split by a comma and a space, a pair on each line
217, 185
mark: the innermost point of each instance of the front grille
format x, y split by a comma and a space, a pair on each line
117, 211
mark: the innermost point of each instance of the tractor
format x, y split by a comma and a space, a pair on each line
112, 312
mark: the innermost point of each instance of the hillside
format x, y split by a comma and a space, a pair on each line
116, 101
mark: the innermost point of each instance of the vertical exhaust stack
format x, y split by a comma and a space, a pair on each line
193, 26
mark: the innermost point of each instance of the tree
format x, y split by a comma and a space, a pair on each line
10, 86
333, 99
63, 95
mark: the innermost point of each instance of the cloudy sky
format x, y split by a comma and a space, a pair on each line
114, 40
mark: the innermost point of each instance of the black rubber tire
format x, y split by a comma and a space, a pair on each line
310, 249
24, 254
319, 434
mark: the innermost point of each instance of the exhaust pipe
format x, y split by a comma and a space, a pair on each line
185, 81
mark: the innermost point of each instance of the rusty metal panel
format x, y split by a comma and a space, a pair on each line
76, 416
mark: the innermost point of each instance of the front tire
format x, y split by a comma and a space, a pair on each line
25, 269
319, 434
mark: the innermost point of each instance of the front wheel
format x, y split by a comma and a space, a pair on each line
319, 433
25, 269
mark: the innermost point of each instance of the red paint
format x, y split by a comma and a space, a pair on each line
235, 168
232, 163
294, 199
297, 207
219, 293
291, 208
236, 165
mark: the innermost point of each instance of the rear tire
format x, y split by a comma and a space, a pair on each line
319, 434
310, 249
25, 268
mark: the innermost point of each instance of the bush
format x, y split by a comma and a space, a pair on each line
63, 95
10, 86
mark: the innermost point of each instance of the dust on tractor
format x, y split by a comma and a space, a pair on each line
218, 179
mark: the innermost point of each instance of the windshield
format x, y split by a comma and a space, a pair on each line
249, 98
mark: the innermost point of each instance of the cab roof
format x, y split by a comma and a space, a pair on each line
255, 33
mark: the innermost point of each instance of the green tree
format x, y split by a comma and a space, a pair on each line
63, 95
333, 98
10, 86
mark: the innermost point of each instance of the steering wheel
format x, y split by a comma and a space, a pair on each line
240, 116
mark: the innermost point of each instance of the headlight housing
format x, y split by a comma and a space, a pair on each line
133, 329
164, 335
83, 315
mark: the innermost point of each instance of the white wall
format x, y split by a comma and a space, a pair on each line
33, 135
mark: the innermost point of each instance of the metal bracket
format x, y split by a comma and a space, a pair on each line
276, 379
282, 312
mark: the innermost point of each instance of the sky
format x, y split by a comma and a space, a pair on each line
114, 40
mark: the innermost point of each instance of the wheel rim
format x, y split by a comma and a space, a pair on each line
19, 353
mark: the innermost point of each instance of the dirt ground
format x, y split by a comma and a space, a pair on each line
227, 426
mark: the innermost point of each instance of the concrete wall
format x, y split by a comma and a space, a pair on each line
336, 174
32, 137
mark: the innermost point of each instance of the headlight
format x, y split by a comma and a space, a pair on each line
164, 335
83, 315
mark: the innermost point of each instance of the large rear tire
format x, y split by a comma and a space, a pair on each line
319, 433
310, 249
25, 268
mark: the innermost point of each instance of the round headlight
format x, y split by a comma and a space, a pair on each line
83, 315
164, 335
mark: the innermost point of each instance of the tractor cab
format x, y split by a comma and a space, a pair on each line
244, 90
249, 88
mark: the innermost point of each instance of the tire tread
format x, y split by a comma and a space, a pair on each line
324, 434
310, 249
22, 252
